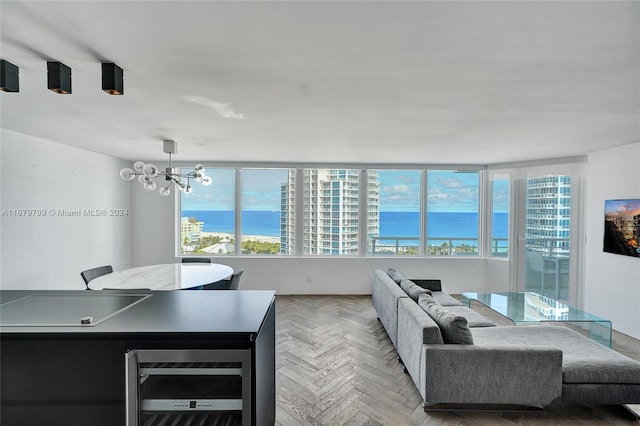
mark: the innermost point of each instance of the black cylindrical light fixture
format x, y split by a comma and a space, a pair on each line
9, 81
112, 79
59, 77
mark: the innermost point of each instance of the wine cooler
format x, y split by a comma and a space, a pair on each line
188, 387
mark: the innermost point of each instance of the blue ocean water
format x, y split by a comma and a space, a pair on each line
396, 224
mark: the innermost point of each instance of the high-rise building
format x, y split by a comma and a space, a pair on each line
548, 217
288, 214
190, 230
330, 213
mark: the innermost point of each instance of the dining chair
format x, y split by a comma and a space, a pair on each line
90, 274
234, 281
196, 260
230, 283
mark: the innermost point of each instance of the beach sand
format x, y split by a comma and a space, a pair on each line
260, 238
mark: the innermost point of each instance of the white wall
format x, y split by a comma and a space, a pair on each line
49, 252
153, 226
612, 282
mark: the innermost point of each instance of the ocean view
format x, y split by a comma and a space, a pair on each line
392, 224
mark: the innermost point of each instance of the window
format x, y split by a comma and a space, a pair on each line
500, 199
331, 209
268, 202
253, 211
207, 216
452, 212
548, 235
393, 219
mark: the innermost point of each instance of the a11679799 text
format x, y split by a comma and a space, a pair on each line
64, 212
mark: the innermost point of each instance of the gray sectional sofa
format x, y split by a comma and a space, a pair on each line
457, 357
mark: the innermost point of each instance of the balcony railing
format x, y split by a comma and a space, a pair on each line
549, 246
410, 246
547, 266
500, 247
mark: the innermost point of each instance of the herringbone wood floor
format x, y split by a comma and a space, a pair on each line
336, 366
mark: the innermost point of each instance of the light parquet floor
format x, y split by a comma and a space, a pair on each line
335, 365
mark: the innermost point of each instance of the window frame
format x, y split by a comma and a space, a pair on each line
484, 229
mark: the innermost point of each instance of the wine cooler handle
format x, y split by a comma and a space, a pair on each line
131, 389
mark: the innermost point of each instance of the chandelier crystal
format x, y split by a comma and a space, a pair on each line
147, 172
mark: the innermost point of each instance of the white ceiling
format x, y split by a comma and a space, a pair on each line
365, 82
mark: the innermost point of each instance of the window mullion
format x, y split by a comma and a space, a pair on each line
423, 212
238, 213
299, 212
363, 212
484, 219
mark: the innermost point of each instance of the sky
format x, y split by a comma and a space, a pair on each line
448, 191
621, 208
217, 196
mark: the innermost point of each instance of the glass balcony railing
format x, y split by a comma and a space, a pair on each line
547, 266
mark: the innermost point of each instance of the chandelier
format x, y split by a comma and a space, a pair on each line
182, 181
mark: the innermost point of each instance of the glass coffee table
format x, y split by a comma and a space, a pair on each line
530, 307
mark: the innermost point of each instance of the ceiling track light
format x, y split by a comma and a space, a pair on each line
59, 78
182, 181
9, 78
112, 79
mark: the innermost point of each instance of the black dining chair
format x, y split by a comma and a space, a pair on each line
234, 281
196, 260
230, 283
90, 274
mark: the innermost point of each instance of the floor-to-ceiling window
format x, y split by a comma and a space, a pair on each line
548, 232
548, 235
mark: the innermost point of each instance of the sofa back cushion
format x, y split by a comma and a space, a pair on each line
395, 275
413, 291
454, 328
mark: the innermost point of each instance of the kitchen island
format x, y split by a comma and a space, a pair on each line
62, 354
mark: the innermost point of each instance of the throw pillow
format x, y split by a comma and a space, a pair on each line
427, 299
453, 327
395, 275
412, 290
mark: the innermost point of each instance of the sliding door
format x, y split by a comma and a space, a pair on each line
548, 227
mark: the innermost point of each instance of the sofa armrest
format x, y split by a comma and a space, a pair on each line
384, 297
415, 329
471, 374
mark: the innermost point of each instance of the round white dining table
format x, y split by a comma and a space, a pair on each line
170, 276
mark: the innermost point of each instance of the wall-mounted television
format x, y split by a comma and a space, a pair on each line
622, 227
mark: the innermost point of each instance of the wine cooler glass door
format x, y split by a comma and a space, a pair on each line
184, 387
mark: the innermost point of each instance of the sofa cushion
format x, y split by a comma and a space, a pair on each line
454, 328
583, 360
445, 300
395, 275
413, 291
474, 319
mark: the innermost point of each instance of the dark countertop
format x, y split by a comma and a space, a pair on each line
164, 312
